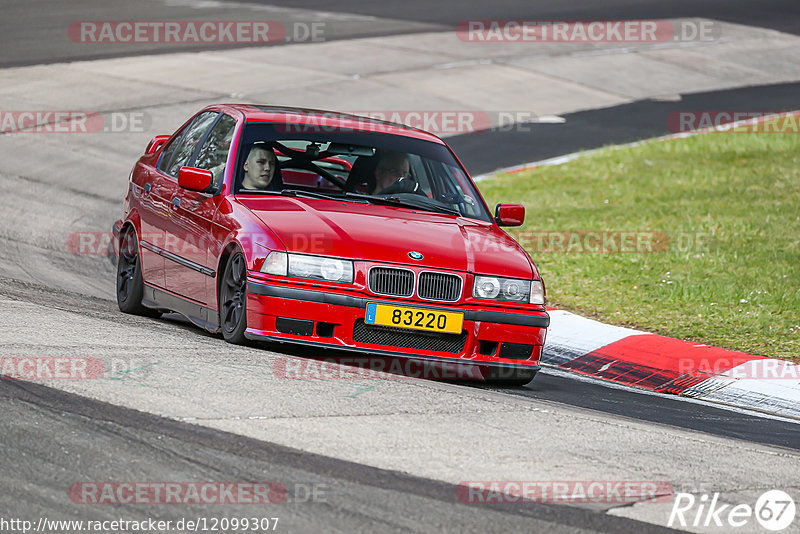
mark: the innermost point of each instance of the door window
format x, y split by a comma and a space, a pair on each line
185, 145
213, 154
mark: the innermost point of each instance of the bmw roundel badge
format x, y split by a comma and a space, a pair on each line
414, 255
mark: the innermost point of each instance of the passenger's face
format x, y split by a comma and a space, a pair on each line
259, 168
386, 175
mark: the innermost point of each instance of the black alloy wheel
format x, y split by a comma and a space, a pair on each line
130, 286
233, 300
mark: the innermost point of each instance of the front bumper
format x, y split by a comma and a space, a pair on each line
322, 318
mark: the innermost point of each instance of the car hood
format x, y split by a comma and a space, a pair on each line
388, 234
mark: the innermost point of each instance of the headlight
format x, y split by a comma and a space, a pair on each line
486, 287
314, 267
508, 289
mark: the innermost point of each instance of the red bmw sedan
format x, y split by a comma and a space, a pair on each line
329, 230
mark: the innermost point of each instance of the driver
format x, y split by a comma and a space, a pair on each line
259, 168
392, 174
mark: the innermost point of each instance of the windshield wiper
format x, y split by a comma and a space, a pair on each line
256, 192
311, 194
308, 194
406, 203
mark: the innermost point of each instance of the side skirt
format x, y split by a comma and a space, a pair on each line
198, 314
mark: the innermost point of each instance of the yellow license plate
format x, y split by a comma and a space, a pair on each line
416, 318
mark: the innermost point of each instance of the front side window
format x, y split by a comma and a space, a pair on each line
213, 154
185, 145
169, 150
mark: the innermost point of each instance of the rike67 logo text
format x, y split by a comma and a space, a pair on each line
774, 510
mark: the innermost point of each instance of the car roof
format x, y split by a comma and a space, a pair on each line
331, 119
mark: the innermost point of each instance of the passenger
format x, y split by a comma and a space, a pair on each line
259, 168
392, 174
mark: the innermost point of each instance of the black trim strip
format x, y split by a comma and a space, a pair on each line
360, 302
200, 315
393, 353
178, 259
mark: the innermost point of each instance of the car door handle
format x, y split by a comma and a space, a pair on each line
176, 202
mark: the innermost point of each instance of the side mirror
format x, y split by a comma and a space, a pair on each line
509, 214
194, 179
156, 143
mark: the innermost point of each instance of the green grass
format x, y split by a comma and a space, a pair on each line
730, 206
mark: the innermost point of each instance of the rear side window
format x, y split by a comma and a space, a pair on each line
213, 154
180, 151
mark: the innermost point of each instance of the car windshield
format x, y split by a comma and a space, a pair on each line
355, 166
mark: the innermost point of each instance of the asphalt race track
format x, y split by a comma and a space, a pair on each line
31, 37
353, 497
176, 404
779, 15
584, 130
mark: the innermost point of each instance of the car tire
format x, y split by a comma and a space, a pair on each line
233, 300
130, 286
510, 377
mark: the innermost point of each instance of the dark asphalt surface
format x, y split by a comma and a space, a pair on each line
627, 402
662, 409
486, 151
38, 35
782, 15
35, 35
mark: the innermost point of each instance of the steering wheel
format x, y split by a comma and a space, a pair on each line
405, 184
